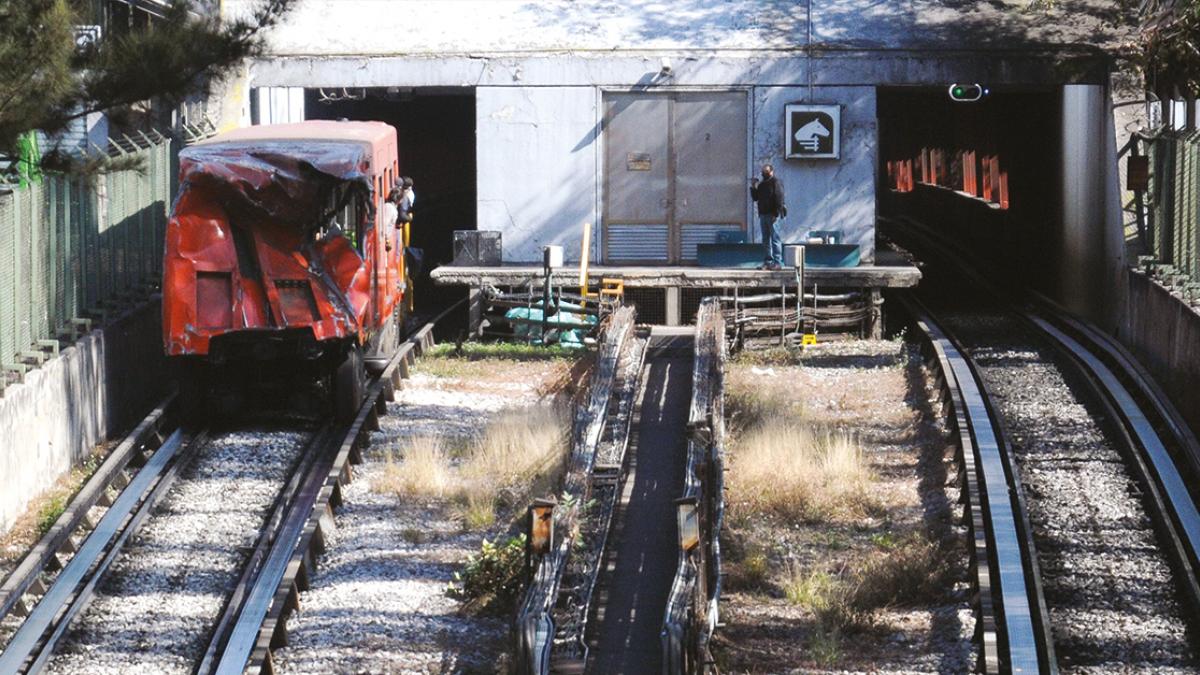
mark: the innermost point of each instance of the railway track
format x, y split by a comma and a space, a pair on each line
146, 482
1105, 472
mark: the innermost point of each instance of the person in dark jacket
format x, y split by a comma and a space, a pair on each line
771, 208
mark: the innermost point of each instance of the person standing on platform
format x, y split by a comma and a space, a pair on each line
408, 197
771, 209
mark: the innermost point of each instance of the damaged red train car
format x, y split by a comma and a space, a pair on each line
279, 266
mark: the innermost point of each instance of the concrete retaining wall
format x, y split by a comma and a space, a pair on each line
1164, 334
93, 390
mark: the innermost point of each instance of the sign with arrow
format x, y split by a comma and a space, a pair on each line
813, 131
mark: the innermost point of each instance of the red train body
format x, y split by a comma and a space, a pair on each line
276, 252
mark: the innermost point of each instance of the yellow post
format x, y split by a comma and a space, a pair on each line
583, 264
408, 282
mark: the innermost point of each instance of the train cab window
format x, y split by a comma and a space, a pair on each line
348, 211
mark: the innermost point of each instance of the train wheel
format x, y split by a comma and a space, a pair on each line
349, 384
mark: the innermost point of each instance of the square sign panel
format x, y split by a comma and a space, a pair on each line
813, 131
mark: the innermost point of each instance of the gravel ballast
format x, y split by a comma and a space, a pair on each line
1109, 589
157, 607
378, 601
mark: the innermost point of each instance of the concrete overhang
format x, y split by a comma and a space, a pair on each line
820, 67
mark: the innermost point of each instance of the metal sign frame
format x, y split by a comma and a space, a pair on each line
794, 115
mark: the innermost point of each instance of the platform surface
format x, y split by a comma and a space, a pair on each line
863, 276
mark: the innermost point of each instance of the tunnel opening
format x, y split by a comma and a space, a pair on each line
985, 175
435, 129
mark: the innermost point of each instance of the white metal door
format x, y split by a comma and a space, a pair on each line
675, 172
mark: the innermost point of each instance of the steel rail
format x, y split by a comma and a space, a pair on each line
1171, 503
1010, 589
260, 622
30, 648
54, 547
1158, 445
314, 454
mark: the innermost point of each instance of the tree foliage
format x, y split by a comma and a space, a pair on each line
46, 82
1168, 49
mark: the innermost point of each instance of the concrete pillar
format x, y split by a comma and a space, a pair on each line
1081, 274
475, 311
673, 318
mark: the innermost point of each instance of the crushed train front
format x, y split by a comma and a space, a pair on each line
263, 249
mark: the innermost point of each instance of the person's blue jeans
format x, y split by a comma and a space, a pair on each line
772, 245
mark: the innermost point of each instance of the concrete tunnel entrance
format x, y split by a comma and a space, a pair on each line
435, 130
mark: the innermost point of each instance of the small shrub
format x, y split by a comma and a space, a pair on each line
812, 591
885, 540
49, 513
751, 571
825, 646
830, 598
913, 570
494, 577
477, 512
756, 567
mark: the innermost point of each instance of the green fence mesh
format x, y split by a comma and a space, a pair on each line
80, 248
1173, 202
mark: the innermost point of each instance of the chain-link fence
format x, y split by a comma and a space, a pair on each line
1171, 214
74, 249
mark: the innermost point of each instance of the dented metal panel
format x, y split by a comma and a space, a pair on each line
284, 218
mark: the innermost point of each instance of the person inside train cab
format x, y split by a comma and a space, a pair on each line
768, 194
407, 199
391, 215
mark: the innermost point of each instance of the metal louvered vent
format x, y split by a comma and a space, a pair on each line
629, 243
693, 234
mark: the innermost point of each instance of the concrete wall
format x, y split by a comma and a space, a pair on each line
537, 159
94, 389
1164, 333
823, 194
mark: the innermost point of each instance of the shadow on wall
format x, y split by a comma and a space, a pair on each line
850, 23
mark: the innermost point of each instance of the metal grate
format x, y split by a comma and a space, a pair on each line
74, 247
641, 243
1174, 202
692, 235
651, 304
690, 299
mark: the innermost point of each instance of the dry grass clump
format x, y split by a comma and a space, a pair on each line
751, 401
521, 449
423, 469
519, 453
802, 473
